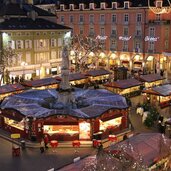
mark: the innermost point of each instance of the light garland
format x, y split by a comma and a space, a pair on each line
160, 10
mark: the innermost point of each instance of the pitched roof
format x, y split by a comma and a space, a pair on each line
40, 82
15, 9
11, 88
133, 3
76, 76
151, 77
123, 84
29, 24
97, 72
164, 90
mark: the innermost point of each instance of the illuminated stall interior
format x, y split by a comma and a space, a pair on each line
150, 63
103, 60
77, 79
151, 80
137, 62
98, 75
9, 89
159, 95
125, 60
129, 87
113, 60
17, 124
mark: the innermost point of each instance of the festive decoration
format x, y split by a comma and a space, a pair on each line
160, 9
83, 48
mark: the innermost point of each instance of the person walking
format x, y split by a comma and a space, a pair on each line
42, 145
46, 141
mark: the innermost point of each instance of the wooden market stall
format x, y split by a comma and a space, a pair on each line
98, 75
159, 95
150, 151
78, 79
96, 115
151, 80
44, 83
128, 88
9, 89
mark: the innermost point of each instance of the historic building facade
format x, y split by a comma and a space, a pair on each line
134, 33
37, 41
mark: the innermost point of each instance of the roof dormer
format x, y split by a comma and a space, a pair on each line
81, 6
114, 5
91, 6
71, 7
62, 7
126, 4
103, 5
159, 3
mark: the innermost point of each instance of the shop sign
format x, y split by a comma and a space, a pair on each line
15, 136
124, 38
151, 39
101, 37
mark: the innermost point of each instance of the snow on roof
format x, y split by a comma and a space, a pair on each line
92, 103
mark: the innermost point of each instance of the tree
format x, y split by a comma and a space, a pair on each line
82, 47
8, 55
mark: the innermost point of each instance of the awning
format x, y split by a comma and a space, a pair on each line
22, 72
166, 54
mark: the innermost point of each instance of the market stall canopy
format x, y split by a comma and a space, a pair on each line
41, 82
150, 77
123, 84
98, 72
11, 88
163, 90
76, 76
149, 146
89, 103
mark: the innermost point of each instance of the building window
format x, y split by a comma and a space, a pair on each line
167, 33
102, 31
114, 19
91, 31
125, 45
59, 42
125, 31
159, 4
158, 17
138, 31
103, 5
71, 7
71, 19
81, 18
81, 30
91, 6
102, 18
113, 31
126, 5
53, 42
53, 54
81, 6
11, 44
62, 19
28, 44
137, 46
114, 5
166, 44
139, 18
19, 44
113, 44
126, 18
151, 31
91, 18
28, 57
151, 45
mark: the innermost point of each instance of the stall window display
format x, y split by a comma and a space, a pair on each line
13, 123
111, 123
84, 129
61, 129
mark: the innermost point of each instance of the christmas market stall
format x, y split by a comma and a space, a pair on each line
42, 83
98, 75
159, 96
7, 90
151, 80
92, 114
127, 88
146, 151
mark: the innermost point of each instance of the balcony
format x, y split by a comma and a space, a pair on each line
125, 49
92, 34
102, 22
151, 51
126, 22
81, 22
113, 49
137, 50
